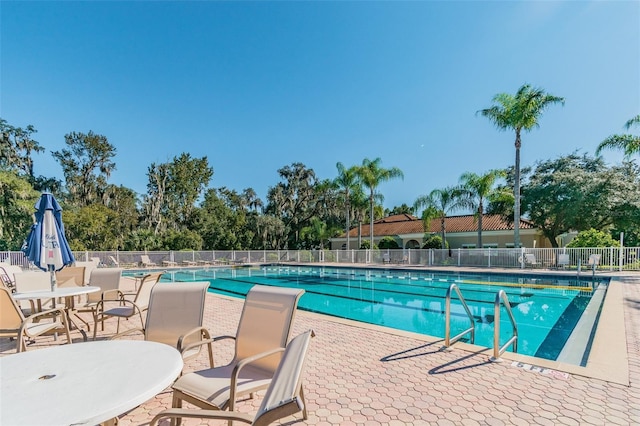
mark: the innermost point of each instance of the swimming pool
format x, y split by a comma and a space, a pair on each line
547, 309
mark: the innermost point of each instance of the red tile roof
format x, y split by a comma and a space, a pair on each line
403, 224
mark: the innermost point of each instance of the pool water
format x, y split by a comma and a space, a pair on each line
546, 308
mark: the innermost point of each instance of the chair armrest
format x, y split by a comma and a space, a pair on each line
121, 300
109, 294
204, 339
48, 313
51, 313
243, 363
175, 413
126, 333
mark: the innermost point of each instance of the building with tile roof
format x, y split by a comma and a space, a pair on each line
462, 232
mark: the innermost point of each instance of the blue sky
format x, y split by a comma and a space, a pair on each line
256, 86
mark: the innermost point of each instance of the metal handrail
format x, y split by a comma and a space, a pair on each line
448, 340
501, 296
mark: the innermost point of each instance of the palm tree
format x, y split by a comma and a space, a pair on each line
630, 144
347, 181
359, 205
371, 175
438, 204
476, 190
250, 199
518, 113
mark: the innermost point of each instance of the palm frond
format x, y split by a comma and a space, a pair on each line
629, 144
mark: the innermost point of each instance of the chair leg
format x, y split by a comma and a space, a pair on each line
65, 322
176, 403
95, 326
141, 321
304, 404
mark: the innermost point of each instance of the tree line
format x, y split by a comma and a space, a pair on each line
180, 211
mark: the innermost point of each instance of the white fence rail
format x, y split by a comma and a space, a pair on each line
611, 259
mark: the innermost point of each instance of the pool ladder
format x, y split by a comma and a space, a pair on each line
448, 340
501, 298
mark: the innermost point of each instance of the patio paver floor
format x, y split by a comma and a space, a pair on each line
375, 376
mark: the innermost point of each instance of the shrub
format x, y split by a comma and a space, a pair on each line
434, 242
365, 245
388, 243
593, 238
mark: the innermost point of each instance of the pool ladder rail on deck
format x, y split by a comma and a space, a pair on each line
448, 340
501, 297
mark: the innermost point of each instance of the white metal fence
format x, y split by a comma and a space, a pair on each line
611, 259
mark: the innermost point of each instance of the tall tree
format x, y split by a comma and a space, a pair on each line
372, 174
92, 227
251, 200
317, 234
519, 112
16, 148
630, 144
298, 198
124, 202
87, 163
154, 200
188, 178
359, 205
172, 191
438, 204
580, 192
476, 191
401, 209
347, 181
17, 198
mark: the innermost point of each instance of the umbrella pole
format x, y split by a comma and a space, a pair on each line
54, 283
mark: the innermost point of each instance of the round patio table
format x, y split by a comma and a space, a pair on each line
84, 383
68, 293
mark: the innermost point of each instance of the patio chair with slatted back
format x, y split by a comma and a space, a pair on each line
70, 276
284, 396
123, 307
13, 322
530, 260
563, 260
176, 316
88, 268
264, 326
32, 281
108, 279
7, 274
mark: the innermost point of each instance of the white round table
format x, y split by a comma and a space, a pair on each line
83, 383
68, 293
59, 292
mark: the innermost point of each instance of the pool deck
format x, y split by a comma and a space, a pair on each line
368, 375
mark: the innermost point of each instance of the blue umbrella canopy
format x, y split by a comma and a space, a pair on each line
46, 246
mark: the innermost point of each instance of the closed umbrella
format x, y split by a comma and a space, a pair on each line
46, 246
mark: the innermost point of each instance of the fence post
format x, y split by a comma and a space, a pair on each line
621, 257
611, 260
